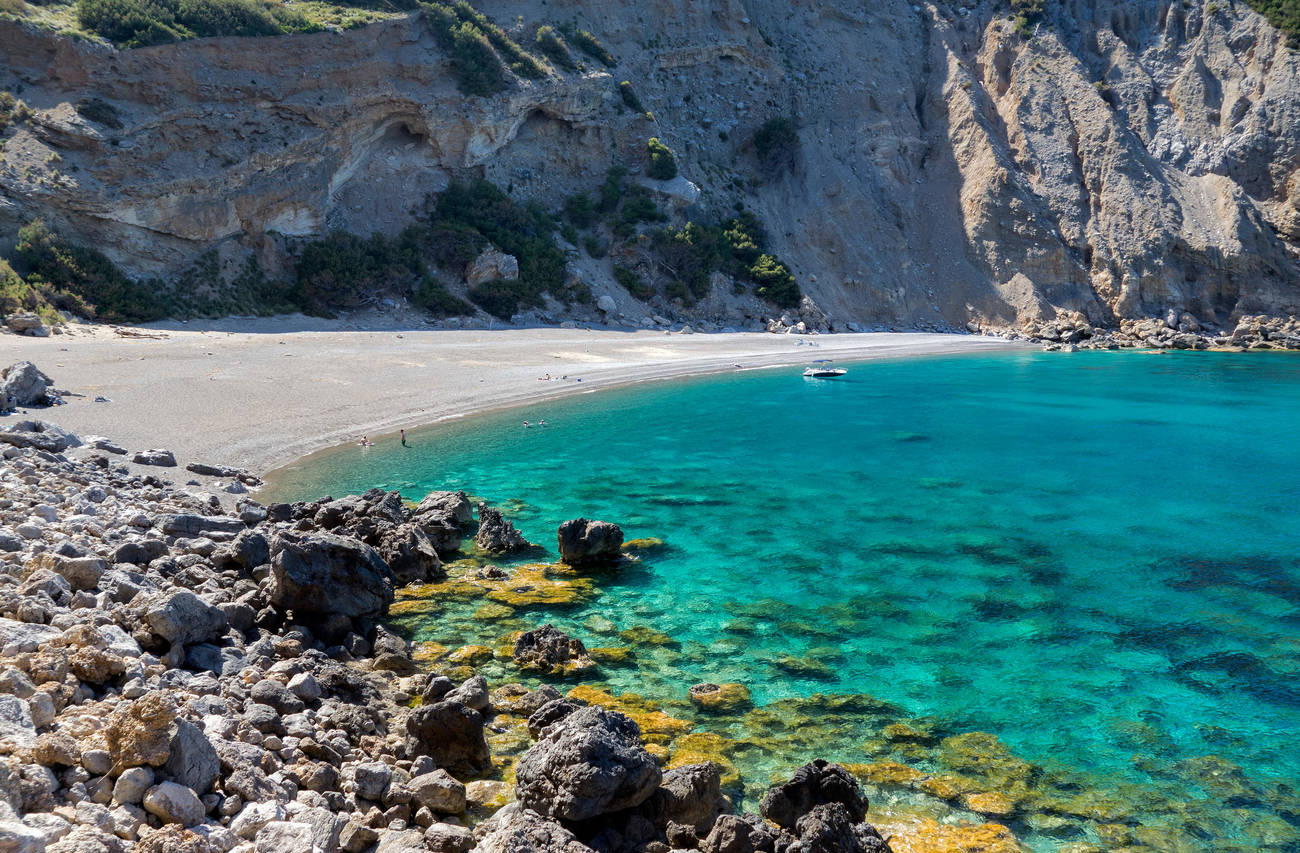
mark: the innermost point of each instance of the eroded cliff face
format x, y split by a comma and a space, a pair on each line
1124, 160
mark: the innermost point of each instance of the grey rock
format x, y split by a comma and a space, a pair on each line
99, 442
828, 828
451, 734
16, 726
21, 384
690, 795
438, 791
356, 837
514, 829
39, 434
193, 761
550, 713
254, 816
82, 572
131, 786
588, 764
548, 649
472, 693
495, 534
588, 543
16, 837
160, 458
410, 554
454, 506
372, 780
740, 834
172, 802
189, 525
284, 837
25, 323
814, 784
322, 574
448, 838
182, 618
275, 694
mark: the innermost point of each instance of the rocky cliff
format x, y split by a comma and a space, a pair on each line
1117, 161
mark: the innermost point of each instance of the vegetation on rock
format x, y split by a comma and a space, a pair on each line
663, 163
137, 23
590, 45
1283, 14
552, 45
481, 51
83, 280
630, 99
777, 144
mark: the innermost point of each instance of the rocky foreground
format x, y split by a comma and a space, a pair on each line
179, 676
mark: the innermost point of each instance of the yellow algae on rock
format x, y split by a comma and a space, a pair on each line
699, 747
720, 698
428, 652
904, 733
470, 655
612, 655
656, 726
640, 635
540, 584
989, 803
982, 754
493, 612
947, 787
886, 773
643, 546
659, 753
930, 836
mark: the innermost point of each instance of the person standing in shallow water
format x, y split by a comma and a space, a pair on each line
404, 444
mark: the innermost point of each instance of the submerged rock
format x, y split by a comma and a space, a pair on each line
551, 651
720, 698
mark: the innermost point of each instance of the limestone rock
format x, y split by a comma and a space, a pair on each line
519, 830
182, 617
550, 650
25, 323
439, 792
139, 732
451, 734
740, 834
39, 434
590, 763
410, 554
690, 795
192, 760
319, 574
160, 458
490, 265
21, 384
174, 803
585, 543
814, 784
496, 535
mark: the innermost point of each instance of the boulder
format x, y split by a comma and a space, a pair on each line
496, 535
448, 838
410, 554
439, 792
172, 802
192, 761
606, 304
450, 733
17, 730
828, 828
140, 732
82, 573
27, 323
589, 764
584, 543
550, 713
183, 618
21, 384
550, 650
453, 506
158, 457
812, 785
320, 574
690, 795
520, 830
190, 525
40, 435
99, 442
490, 265
131, 786
740, 834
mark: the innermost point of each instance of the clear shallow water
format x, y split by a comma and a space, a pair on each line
1095, 557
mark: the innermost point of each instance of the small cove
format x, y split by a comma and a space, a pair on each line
1094, 558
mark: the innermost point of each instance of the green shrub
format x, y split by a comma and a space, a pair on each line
590, 45
553, 47
341, 269
433, 297
504, 299
1028, 13
580, 210
632, 283
663, 163
17, 295
84, 279
775, 282
630, 99
478, 68
595, 247
611, 191
137, 23
453, 244
777, 144
100, 112
1283, 14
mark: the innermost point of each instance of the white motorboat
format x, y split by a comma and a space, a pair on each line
819, 370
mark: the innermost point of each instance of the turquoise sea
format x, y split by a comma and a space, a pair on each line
1094, 557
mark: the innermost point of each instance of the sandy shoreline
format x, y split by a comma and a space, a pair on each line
280, 389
